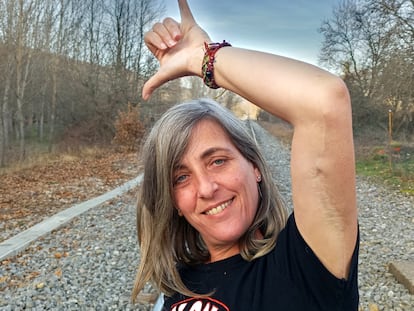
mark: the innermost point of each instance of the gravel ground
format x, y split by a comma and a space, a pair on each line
90, 263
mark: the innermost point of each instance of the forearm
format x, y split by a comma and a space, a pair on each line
290, 89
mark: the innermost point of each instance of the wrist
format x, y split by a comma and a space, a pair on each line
196, 62
207, 68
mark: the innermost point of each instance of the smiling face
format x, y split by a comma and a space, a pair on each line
215, 188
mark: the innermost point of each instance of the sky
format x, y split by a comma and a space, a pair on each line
285, 27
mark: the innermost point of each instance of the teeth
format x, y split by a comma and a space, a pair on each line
218, 209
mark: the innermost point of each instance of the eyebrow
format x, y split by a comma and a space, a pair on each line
206, 153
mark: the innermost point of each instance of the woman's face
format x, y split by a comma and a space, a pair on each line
215, 188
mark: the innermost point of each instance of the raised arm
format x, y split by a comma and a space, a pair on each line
314, 101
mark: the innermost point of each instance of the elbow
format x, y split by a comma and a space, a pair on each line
335, 104
327, 101
337, 99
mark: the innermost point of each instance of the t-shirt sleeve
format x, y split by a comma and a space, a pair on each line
303, 268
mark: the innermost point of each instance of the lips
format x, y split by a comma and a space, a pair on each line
218, 209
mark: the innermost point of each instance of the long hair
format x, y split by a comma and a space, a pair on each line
166, 239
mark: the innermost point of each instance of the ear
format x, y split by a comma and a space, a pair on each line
257, 174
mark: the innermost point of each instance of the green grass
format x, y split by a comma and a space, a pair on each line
398, 173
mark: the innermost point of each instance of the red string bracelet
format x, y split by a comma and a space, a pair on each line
207, 68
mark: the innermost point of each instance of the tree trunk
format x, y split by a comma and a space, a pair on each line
1, 142
5, 120
53, 105
21, 88
41, 115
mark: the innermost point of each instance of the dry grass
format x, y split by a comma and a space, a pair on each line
36, 159
39, 156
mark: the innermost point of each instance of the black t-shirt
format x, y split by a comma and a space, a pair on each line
290, 277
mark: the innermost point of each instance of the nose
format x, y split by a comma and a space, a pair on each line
206, 187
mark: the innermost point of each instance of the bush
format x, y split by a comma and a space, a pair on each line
129, 130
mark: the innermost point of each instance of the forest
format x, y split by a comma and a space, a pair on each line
70, 68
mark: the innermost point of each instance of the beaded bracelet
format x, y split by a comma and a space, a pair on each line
207, 68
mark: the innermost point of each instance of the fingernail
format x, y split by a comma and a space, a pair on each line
163, 46
171, 43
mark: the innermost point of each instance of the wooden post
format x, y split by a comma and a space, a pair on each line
390, 123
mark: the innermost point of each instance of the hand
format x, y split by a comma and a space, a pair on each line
179, 47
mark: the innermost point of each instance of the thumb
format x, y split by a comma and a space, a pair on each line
148, 88
153, 83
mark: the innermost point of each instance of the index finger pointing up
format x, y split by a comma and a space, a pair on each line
185, 12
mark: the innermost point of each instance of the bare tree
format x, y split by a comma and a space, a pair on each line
129, 21
149, 11
54, 70
356, 40
402, 12
46, 31
398, 75
362, 42
8, 21
65, 63
26, 23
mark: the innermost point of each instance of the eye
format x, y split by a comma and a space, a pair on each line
218, 162
180, 179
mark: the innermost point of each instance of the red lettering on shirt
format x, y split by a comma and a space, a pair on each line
199, 304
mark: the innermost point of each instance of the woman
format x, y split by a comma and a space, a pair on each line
212, 229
